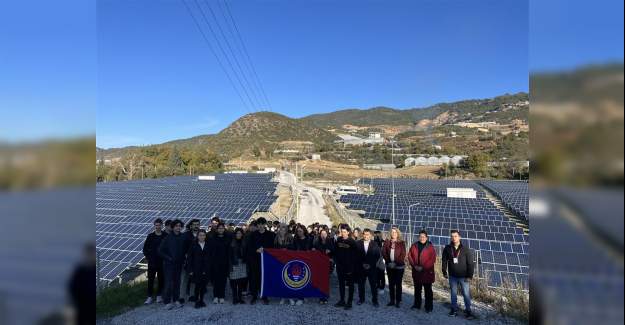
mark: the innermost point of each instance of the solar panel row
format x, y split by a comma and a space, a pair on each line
125, 210
502, 247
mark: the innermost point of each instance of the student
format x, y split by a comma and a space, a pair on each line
379, 239
168, 229
198, 265
345, 253
283, 239
422, 257
172, 251
394, 253
220, 262
238, 267
301, 242
356, 234
457, 263
368, 256
190, 235
155, 263
325, 244
258, 240
231, 228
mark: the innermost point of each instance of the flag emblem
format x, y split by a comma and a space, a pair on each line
296, 274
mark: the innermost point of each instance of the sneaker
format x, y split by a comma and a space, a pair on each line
197, 305
398, 304
265, 301
427, 311
253, 301
390, 304
468, 315
181, 301
415, 307
148, 301
216, 301
221, 301
359, 302
348, 307
299, 302
291, 302
340, 304
376, 304
202, 303
281, 301
453, 313
178, 305
169, 306
159, 299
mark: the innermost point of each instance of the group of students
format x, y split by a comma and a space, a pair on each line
181, 260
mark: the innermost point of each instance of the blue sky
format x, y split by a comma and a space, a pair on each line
158, 80
141, 73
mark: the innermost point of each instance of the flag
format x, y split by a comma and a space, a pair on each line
295, 274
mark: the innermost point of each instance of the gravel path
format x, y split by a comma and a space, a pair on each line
309, 313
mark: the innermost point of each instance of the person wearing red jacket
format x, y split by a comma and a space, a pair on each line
422, 257
394, 253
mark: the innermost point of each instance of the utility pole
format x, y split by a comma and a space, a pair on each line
393, 179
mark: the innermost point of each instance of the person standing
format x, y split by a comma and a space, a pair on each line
457, 262
220, 262
345, 258
198, 264
394, 253
325, 244
283, 239
422, 257
172, 251
301, 242
381, 276
368, 256
238, 267
259, 240
155, 263
190, 236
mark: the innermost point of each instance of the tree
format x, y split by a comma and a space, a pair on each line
478, 163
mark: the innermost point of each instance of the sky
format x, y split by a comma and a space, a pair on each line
138, 71
159, 81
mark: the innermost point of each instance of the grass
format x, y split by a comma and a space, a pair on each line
118, 299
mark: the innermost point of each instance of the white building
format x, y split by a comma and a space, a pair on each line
456, 160
444, 160
433, 161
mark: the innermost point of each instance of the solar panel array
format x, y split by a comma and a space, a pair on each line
503, 248
514, 195
125, 210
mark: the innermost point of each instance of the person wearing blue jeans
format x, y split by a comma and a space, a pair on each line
466, 293
458, 265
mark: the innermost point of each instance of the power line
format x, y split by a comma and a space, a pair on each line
197, 24
232, 53
223, 52
248, 60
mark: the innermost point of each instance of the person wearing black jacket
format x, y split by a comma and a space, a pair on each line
172, 251
220, 262
377, 237
325, 244
301, 241
258, 240
198, 266
368, 255
155, 263
457, 263
238, 267
186, 286
345, 257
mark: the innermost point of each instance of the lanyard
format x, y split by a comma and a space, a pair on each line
455, 252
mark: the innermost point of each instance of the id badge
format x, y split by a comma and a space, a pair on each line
455, 260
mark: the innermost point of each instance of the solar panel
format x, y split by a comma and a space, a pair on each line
125, 211
502, 247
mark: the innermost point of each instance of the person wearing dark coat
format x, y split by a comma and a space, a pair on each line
457, 263
238, 267
422, 257
155, 263
186, 286
258, 240
301, 241
220, 262
198, 267
394, 253
368, 256
377, 237
325, 244
345, 258
172, 251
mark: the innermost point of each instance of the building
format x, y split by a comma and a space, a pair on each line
379, 166
315, 156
